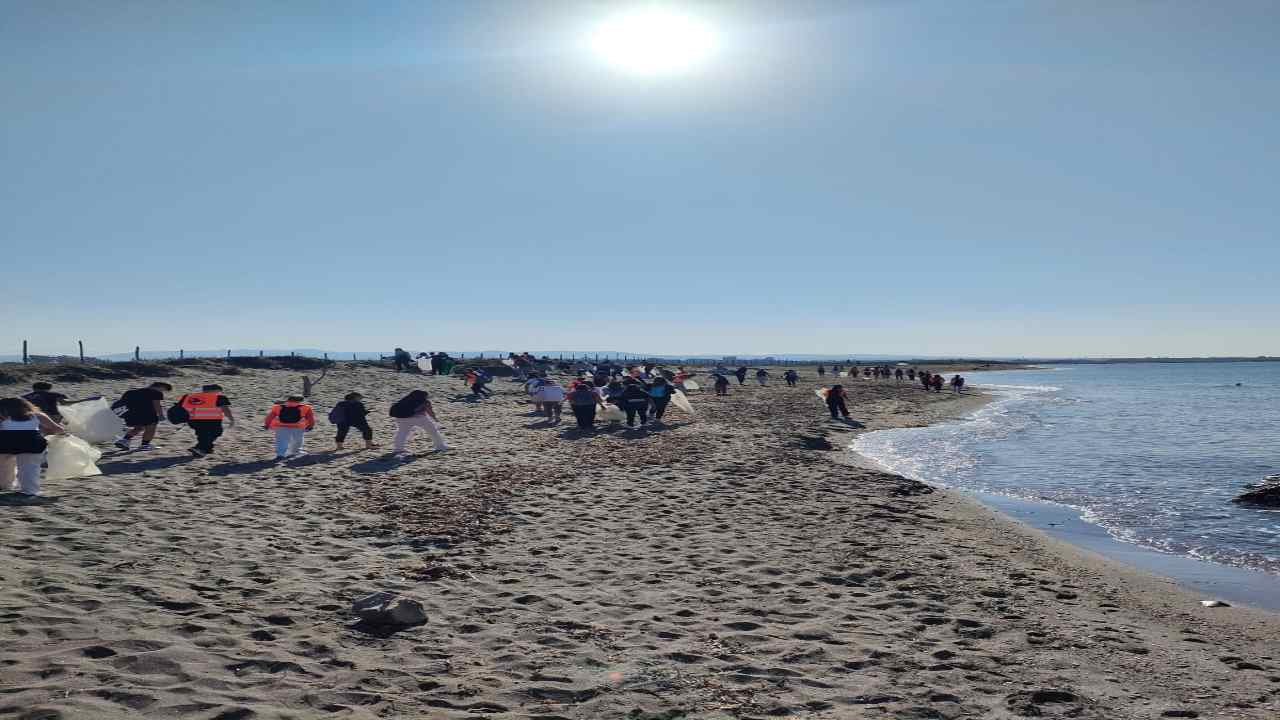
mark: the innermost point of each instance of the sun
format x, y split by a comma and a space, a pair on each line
654, 41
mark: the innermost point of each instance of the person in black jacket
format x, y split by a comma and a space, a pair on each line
635, 400
351, 413
661, 392
742, 375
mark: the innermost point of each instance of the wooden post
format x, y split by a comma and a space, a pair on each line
137, 353
326, 356
181, 353
353, 357
290, 353
25, 359
259, 353
228, 353
81, 343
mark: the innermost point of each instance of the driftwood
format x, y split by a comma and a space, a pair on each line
308, 385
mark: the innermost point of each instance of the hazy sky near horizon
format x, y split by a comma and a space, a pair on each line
1031, 178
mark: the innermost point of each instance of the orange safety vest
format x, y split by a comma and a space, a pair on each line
202, 406
306, 416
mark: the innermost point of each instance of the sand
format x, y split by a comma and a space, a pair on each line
723, 568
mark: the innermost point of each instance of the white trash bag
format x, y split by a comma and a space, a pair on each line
92, 421
614, 414
71, 457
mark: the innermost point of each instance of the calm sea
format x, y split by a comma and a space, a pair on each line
1152, 452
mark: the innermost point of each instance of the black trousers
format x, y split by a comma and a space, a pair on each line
660, 407
641, 410
362, 425
586, 415
742, 379
207, 431
790, 382
837, 407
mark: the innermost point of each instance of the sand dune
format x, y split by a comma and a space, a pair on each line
717, 568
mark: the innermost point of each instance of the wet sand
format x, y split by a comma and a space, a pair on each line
725, 567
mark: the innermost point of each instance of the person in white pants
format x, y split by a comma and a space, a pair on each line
22, 445
414, 411
290, 420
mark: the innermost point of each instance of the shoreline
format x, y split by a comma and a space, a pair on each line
735, 565
1255, 588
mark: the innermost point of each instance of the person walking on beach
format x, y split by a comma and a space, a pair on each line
414, 411
142, 411
742, 375
291, 420
583, 400
957, 384
822, 371
661, 393
836, 402
205, 411
791, 376
551, 396
762, 377
936, 381
897, 374
403, 360
479, 380
721, 384
351, 413
635, 401
47, 401
22, 445
926, 380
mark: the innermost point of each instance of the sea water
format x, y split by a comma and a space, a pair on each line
1152, 452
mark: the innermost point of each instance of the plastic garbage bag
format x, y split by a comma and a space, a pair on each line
71, 457
613, 414
691, 385
424, 364
92, 421
679, 400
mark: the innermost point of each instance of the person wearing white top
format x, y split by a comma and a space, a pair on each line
551, 397
22, 445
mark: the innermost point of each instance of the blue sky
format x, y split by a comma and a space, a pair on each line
961, 178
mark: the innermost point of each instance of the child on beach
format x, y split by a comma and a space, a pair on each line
661, 393
351, 413
762, 377
291, 420
414, 411
721, 385
791, 376
551, 397
22, 445
205, 411
583, 400
836, 402
47, 401
142, 412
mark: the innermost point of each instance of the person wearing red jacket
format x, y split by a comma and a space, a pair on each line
290, 420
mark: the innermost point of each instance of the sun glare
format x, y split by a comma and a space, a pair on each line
653, 41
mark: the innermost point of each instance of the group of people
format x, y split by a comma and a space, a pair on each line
641, 394
930, 381
638, 394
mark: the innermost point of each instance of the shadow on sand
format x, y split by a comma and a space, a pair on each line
13, 499
115, 466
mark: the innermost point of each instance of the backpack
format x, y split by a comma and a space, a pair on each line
338, 415
290, 414
177, 414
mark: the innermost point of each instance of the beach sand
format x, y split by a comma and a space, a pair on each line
728, 567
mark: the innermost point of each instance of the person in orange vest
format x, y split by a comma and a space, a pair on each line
290, 420
205, 411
